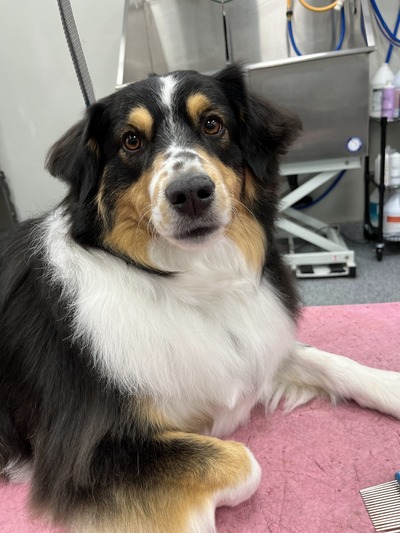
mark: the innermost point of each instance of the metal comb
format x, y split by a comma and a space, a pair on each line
383, 505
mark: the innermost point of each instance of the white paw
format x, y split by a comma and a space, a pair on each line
241, 492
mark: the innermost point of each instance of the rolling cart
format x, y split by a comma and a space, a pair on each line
370, 232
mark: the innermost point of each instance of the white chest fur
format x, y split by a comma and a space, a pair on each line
206, 341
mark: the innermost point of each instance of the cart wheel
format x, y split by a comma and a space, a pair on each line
379, 254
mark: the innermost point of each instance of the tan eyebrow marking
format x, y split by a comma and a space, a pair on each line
140, 119
196, 105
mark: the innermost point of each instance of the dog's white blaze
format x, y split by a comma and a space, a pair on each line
166, 171
168, 86
206, 341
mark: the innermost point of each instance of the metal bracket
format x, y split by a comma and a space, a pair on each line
331, 257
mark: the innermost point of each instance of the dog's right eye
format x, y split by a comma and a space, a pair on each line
131, 141
213, 126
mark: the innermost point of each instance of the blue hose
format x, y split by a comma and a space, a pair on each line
291, 38
383, 26
325, 193
341, 38
396, 28
342, 29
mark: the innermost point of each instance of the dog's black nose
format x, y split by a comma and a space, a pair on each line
191, 195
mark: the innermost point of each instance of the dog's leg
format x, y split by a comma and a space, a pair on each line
176, 491
310, 372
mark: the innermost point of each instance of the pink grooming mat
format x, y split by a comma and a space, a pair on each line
314, 459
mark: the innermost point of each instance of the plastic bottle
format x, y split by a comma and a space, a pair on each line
391, 216
382, 77
387, 109
374, 208
388, 152
394, 169
396, 83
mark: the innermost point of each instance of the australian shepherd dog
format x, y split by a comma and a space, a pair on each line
146, 315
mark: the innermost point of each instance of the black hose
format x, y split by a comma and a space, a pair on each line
75, 49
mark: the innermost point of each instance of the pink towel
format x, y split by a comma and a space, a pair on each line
316, 458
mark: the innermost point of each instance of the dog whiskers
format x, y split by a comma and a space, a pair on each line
241, 204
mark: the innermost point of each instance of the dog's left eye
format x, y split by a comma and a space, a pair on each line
131, 141
213, 126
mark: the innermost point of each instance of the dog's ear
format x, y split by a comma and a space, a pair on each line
266, 130
76, 158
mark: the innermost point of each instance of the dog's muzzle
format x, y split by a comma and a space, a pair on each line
191, 196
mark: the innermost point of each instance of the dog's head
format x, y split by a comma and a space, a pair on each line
183, 158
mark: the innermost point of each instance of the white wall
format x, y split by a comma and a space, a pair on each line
40, 96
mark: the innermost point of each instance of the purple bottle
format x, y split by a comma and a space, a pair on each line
388, 101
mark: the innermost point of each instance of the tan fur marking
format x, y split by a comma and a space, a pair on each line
94, 147
152, 415
225, 179
196, 105
249, 237
250, 188
149, 415
228, 466
130, 236
200, 423
217, 171
180, 492
132, 230
99, 200
140, 119
244, 229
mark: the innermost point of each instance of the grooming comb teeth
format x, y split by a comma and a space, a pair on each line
383, 505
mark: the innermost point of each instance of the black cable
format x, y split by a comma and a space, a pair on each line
354, 241
75, 49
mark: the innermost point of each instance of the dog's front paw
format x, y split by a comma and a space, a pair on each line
241, 491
